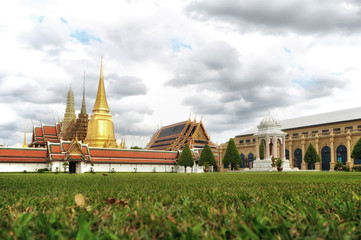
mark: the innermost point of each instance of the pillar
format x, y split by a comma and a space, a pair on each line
267, 147
304, 164
274, 147
349, 162
332, 164
317, 164
290, 150
283, 152
257, 148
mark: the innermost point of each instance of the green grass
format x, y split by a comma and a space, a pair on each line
181, 206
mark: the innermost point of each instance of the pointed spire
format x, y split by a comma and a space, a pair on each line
24, 144
101, 104
83, 107
70, 109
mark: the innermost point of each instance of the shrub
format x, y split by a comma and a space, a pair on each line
207, 157
311, 155
345, 168
186, 158
42, 170
356, 169
232, 156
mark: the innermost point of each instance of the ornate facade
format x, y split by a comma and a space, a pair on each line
333, 134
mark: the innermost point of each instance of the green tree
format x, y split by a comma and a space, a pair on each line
261, 150
135, 147
232, 156
65, 166
186, 158
207, 157
311, 155
356, 151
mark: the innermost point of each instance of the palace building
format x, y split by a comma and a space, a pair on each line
81, 145
333, 135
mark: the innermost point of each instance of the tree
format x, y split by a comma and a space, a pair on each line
356, 151
232, 156
135, 147
311, 155
207, 157
261, 150
186, 158
65, 166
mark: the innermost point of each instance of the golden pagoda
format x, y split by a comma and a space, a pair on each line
100, 127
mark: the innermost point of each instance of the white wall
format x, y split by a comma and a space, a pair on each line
20, 167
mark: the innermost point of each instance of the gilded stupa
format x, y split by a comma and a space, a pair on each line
100, 127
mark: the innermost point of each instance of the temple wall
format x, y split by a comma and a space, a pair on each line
105, 167
20, 167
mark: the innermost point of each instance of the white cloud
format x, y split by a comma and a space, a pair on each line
163, 60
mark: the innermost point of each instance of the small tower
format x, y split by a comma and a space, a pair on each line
70, 109
83, 118
100, 127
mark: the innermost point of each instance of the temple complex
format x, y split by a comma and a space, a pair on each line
60, 147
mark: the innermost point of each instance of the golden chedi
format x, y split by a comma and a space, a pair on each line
100, 127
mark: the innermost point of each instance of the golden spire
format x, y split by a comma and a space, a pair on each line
24, 144
100, 127
101, 104
83, 107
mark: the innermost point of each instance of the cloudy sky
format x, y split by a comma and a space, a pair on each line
226, 61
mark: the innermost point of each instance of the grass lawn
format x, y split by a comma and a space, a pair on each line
181, 206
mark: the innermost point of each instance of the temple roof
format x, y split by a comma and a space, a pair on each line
173, 137
315, 120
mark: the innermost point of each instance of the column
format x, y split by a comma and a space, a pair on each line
349, 162
332, 164
267, 147
304, 164
290, 150
318, 164
283, 153
274, 147
257, 148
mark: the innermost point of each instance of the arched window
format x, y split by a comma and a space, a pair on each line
243, 158
298, 157
250, 160
341, 154
325, 158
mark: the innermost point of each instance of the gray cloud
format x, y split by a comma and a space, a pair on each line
233, 92
121, 86
308, 16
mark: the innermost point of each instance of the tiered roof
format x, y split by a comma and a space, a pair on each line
45, 133
68, 151
174, 137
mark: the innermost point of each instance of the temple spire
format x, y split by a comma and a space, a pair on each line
24, 144
100, 127
70, 109
101, 104
83, 107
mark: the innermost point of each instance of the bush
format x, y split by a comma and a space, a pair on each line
42, 170
356, 169
345, 168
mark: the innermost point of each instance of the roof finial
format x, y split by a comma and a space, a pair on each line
101, 103
24, 144
83, 106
